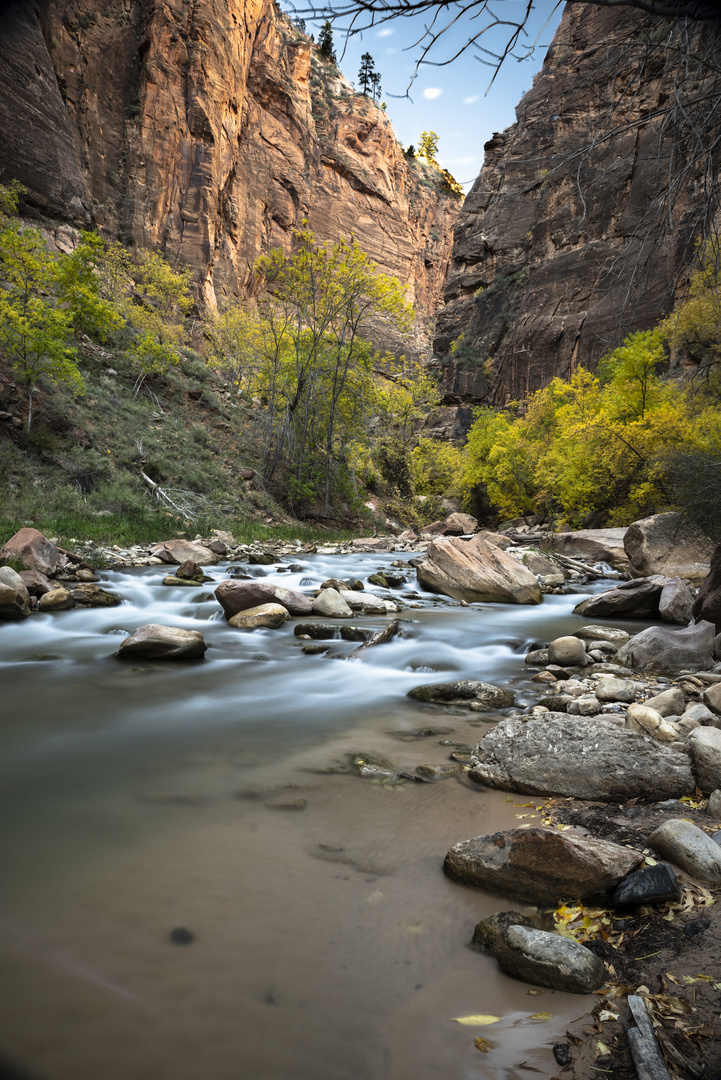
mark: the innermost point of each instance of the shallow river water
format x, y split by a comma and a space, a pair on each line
327, 942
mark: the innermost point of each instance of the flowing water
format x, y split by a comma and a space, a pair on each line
137, 799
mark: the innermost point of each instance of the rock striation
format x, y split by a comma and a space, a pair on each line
536, 284
210, 130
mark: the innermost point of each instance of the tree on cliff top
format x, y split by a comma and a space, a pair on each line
325, 43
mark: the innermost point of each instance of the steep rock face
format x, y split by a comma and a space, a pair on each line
562, 248
210, 130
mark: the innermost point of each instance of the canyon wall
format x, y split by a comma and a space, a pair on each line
210, 129
581, 226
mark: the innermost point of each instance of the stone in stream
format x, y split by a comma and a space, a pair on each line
488, 930
676, 602
543, 866
381, 637
10, 577
567, 651
171, 579
537, 657
58, 599
642, 718
603, 633
264, 616
331, 604
34, 551
234, 596
584, 758
180, 551
661, 649
476, 571
591, 545
668, 544
190, 569
464, 692
704, 746
334, 583
649, 885
155, 642
636, 599
611, 688
549, 960
92, 596
433, 773
365, 603
684, 844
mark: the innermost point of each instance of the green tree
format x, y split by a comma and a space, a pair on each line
325, 42
79, 285
428, 147
367, 73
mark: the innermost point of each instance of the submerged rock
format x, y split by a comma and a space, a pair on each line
155, 642
541, 865
476, 570
464, 692
583, 758
549, 960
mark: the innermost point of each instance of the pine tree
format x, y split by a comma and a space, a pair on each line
367, 73
325, 43
376, 85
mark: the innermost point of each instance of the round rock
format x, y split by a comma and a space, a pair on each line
264, 616
684, 844
567, 651
155, 642
549, 960
704, 746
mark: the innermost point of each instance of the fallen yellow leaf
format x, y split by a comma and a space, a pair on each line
541, 1016
479, 1020
482, 1044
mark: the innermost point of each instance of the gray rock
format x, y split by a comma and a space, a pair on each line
464, 692
649, 885
537, 657
592, 545
567, 651
712, 698
603, 633
714, 805
332, 605
179, 551
234, 596
549, 960
155, 642
543, 866
615, 689
704, 746
487, 931
586, 759
10, 577
267, 616
432, 773
365, 602
584, 706
668, 702
631, 599
661, 649
476, 571
684, 844
668, 544
676, 602
699, 711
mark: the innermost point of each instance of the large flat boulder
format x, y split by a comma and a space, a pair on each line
637, 599
592, 545
587, 758
234, 596
661, 649
477, 571
543, 866
177, 552
155, 642
464, 692
668, 544
34, 551
707, 605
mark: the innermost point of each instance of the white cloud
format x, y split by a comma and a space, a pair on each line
432, 92
471, 100
385, 33
390, 52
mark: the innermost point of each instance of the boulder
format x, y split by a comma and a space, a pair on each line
700, 712
661, 649
714, 805
637, 599
498, 539
35, 582
642, 718
190, 569
603, 633
255, 618
611, 688
683, 843
371, 543
675, 604
592, 545
587, 759
567, 651
549, 960
10, 577
234, 596
34, 551
334, 583
542, 566
89, 596
58, 599
155, 642
704, 746
668, 703
707, 605
177, 552
711, 698
476, 571
331, 604
649, 885
12, 604
365, 602
488, 930
464, 692
668, 544
458, 524
543, 866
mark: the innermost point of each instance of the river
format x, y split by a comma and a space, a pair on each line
327, 943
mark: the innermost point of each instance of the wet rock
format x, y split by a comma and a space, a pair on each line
586, 759
378, 579
263, 616
432, 773
92, 596
181, 936
171, 579
464, 692
371, 765
714, 805
488, 930
649, 885
543, 866
696, 926
562, 1053
190, 569
611, 688
668, 544
668, 703
34, 551
13, 606
295, 602
365, 602
704, 746
476, 570
549, 960
544, 677
86, 575
315, 650
179, 551
684, 844
261, 558
661, 649
317, 631
331, 604
234, 596
567, 651
676, 602
556, 702
57, 599
155, 642
635, 599
537, 657
381, 637
334, 583
603, 633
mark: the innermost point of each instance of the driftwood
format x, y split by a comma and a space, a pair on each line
381, 637
647, 1056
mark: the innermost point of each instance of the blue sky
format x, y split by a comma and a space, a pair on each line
454, 101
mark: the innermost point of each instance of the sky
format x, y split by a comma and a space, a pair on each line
454, 100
